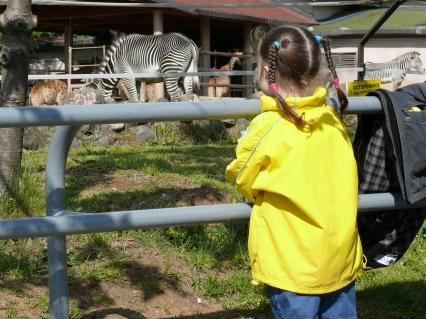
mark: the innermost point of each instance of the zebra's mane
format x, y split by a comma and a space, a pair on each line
117, 39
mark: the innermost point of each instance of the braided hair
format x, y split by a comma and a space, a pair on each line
294, 54
272, 66
342, 97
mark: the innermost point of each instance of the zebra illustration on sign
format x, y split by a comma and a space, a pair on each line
396, 69
136, 53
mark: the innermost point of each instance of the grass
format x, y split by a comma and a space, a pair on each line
213, 258
402, 18
398, 291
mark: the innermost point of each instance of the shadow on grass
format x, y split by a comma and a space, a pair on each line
158, 198
94, 167
400, 300
403, 300
148, 279
221, 241
122, 312
228, 314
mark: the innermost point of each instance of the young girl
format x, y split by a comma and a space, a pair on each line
297, 167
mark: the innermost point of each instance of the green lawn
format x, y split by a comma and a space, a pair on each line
215, 256
401, 18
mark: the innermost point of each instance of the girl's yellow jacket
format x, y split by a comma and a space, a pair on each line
304, 186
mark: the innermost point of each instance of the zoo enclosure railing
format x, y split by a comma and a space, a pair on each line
58, 223
247, 80
93, 76
70, 63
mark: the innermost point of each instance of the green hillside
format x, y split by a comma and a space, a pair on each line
400, 19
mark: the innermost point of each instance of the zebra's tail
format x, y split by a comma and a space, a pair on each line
193, 67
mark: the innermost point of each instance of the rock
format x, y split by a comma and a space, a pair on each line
37, 137
117, 127
88, 94
144, 133
235, 132
212, 125
87, 129
229, 122
204, 131
106, 140
99, 135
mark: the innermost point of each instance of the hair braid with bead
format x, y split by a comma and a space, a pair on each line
342, 97
272, 64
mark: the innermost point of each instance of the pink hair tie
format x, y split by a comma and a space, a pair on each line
274, 87
336, 83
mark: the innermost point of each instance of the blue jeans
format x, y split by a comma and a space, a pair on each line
339, 304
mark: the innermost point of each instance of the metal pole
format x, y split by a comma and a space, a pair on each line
55, 204
371, 33
92, 76
205, 46
84, 223
153, 112
72, 223
68, 44
248, 62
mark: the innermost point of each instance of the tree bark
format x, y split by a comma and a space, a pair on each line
16, 24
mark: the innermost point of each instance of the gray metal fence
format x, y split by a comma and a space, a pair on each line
58, 223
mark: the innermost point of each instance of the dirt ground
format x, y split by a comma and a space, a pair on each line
147, 292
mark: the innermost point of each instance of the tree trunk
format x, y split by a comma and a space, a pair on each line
16, 24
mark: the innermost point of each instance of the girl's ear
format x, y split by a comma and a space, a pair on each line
265, 71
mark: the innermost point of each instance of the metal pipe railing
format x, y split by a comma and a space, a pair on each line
72, 223
153, 112
55, 203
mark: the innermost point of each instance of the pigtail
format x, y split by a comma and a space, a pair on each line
342, 97
272, 65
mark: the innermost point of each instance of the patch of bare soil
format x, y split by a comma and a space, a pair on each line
147, 291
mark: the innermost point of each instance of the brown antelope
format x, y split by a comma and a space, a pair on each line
48, 92
223, 79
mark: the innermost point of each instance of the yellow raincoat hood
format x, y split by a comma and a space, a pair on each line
304, 186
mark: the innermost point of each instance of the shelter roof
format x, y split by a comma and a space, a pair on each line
262, 11
276, 14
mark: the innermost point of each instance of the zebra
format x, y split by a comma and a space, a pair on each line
396, 69
137, 53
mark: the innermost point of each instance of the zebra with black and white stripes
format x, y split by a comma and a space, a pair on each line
396, 69
136, 53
